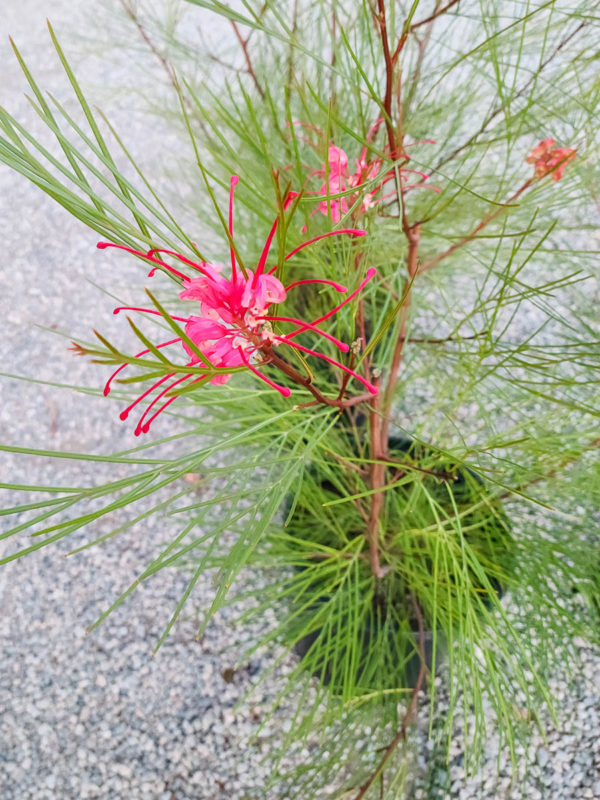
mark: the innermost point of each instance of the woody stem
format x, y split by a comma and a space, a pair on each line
303, 380
413, 235
389, 75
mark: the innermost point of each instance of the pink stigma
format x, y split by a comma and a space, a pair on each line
125, 413
370, 273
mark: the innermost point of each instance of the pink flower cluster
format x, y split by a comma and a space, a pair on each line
234, 326
338, 179
549, 159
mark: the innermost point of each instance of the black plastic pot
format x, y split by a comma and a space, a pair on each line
392, 624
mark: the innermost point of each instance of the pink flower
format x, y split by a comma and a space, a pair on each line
339, 180
234, 327
549, 159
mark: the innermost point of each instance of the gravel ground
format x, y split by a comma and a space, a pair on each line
96, 716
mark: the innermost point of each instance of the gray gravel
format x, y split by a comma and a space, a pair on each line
96, 716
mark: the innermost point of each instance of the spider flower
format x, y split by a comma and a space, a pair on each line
234, 326
550, 160
338, 179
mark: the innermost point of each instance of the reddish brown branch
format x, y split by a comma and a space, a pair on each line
435, 15
413, 235
303, 380
389, 76
346, 377
249, 68
378, 423
432, 262
167, 66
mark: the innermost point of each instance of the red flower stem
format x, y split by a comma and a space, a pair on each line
158, 262
370, 273
373, 389
144, 427
337, 286
283, 390
125, 413
137, 355
263, 257
148, 311
181, 258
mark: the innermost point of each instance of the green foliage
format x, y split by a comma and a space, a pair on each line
493, 470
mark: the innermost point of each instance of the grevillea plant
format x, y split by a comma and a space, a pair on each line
386, 371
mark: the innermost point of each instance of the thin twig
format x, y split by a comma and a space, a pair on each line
432, 262
553, 472
450, 338
346, 376
435, 15
302, 380
167, 66
290, 74
422, 48
249, 68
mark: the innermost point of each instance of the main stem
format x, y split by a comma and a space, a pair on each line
379, 417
